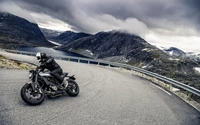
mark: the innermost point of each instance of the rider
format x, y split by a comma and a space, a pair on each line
48, 62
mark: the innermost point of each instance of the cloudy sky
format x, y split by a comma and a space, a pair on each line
161, 22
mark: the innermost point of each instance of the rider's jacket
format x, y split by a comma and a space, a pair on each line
49, 63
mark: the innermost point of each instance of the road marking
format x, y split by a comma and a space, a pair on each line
161, 88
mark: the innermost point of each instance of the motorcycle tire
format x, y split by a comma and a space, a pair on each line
29, 100
72, 88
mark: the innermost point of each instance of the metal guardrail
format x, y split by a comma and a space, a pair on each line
98, 62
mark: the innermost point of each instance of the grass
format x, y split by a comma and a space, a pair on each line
9, 64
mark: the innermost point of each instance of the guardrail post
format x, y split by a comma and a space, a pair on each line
189, 95
170, 87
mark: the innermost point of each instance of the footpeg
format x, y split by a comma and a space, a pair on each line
57, 92
54, 88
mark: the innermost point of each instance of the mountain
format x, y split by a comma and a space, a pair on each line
194, 56
175, 52
172, 51
16, 31
109, 44
131, 49
49, 34
69, 36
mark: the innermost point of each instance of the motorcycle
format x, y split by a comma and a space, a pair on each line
43, 83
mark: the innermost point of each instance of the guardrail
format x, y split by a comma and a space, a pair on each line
183, 86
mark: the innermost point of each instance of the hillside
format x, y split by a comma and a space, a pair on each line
68, 36
172, 51
16, 31
50, 34
133, 50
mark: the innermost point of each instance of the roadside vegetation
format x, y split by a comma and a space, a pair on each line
6, 63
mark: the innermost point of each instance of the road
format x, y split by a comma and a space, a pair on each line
107, 97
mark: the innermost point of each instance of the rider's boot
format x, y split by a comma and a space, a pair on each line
64, 83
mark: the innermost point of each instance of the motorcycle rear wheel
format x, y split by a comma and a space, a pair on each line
31, 98
72, 88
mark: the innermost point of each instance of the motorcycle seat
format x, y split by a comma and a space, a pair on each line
64, 74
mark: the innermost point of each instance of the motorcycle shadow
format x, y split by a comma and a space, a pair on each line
57, 97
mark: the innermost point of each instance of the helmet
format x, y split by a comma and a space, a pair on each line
40, 56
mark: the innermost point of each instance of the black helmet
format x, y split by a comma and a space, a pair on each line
43, 55
40, 56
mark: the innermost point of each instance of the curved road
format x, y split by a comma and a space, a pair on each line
107, 97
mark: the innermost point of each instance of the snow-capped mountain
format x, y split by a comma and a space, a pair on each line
173, 51
193, 54
49, 34
178, 53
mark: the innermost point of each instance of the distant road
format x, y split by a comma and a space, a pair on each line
107, 97
58, 44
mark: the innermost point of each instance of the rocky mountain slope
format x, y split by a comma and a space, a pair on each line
68, 36
50, 34
16, 31
173, 51
133, 50
110, 44
194, 56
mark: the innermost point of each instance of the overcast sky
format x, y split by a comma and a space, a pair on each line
161, 22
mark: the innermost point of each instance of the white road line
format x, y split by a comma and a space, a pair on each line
161, 89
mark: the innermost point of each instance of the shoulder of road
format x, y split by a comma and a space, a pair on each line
6, 63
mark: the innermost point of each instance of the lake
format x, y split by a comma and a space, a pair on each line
50, 51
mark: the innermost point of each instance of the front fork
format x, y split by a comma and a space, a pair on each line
34, 87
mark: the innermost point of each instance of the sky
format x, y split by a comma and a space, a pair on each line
166, 23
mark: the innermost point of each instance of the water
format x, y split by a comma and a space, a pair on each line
49, 51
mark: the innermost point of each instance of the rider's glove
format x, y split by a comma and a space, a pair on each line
43, 65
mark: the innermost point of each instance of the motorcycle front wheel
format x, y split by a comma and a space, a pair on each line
30, 97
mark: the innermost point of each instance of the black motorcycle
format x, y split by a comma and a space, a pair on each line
41, 83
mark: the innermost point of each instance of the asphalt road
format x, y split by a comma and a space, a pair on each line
107, 97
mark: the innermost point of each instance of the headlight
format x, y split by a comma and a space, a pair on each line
30, 75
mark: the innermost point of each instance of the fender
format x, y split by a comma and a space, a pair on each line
72, 77
70, 80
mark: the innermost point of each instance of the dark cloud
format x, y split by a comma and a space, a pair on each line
193, 9
156, 20
95, 15
192, 3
